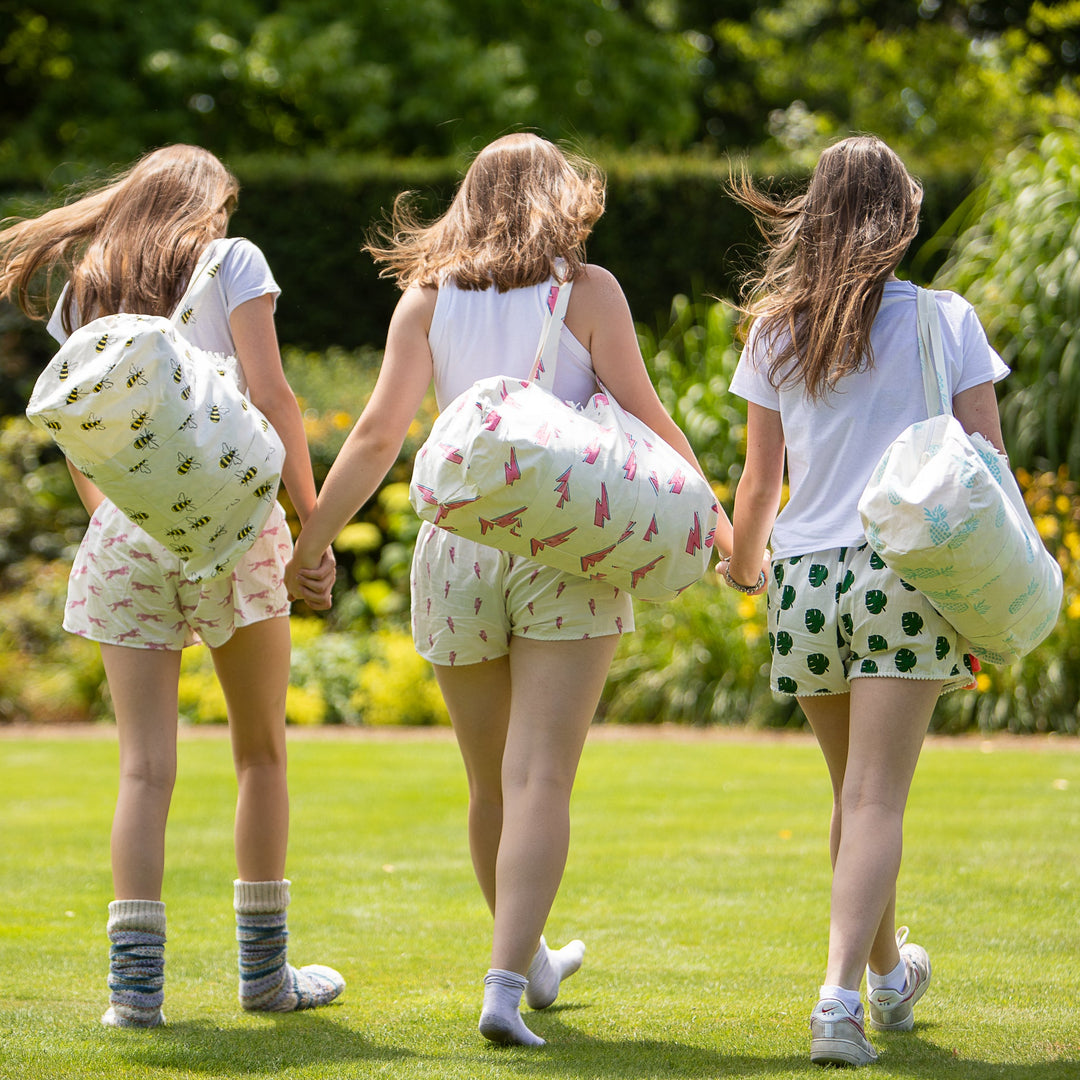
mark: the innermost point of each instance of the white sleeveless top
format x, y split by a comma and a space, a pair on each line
476, 334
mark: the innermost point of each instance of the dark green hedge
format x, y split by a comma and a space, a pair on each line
668, 229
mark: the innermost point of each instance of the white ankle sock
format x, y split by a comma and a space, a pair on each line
895, 980
548, 968
849, 998
500, 1019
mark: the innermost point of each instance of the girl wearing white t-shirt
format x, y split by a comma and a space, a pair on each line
521, 651
831, 374
131, 246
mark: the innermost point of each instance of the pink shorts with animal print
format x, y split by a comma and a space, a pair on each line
127, 589
469, 600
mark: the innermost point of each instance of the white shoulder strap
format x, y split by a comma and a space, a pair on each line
932, 355
204, 275
547, 350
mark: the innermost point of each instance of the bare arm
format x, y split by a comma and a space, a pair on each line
253, 331
757, 497
377, 437
90, 495
976, 409
599, 317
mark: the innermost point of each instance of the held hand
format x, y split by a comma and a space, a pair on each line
313, 585
760, 586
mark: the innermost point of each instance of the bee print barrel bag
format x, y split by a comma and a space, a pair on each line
589, 490
163, 429
943, 510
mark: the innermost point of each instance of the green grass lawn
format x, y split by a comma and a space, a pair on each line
698, 878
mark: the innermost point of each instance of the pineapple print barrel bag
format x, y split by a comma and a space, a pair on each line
590, 491
163, 429
943, 510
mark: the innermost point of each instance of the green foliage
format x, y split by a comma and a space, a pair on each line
429, 76
691, 361
40, 514
1014, 253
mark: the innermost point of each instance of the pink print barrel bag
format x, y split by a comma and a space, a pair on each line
589, 490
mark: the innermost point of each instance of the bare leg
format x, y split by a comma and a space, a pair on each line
478, 699
888, 719
556, 687
143, 684
253, 667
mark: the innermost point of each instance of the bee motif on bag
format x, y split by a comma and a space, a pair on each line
183, 549
185, 393
102, 342
92, 423
53, 425
186, 464
247, 476
177, 374
138, 419
176, 533
228, 455
105, 384
185, 317
136, 515
215, 413
220, 532
182, 503
64, 371
136, 375
73, 396
263, 490
245, 532
198, 523
140, 466
130, 341
212, 272
143, 441
188, 423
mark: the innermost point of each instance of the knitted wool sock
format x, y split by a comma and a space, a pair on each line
500, 1020
267, 982
136, 930
548, 968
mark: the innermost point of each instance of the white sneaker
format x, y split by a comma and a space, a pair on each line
893, 1010
837, 1036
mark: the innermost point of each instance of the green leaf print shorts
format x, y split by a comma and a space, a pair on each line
842, 614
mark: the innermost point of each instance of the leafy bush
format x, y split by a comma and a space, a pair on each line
1014, 250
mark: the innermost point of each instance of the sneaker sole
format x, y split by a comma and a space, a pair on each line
839, 1052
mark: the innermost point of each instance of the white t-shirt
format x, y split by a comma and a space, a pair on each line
832, 446
244, 275
477, 333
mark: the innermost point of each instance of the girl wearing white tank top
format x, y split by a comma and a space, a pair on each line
522, 687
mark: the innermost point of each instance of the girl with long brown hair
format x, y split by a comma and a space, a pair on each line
131, 245
520, 650
831, 374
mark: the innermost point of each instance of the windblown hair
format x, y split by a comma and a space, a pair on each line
522, 206
830, 252
129, 245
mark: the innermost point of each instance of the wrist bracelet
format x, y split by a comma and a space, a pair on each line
738, 587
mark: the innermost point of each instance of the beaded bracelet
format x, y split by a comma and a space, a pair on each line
738, 587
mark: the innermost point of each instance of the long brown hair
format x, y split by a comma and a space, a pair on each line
129, 245
522, 205
829, 254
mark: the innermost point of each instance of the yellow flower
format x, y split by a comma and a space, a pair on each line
1062, 504
342, 420
1073, 610
747, 608
1047, 525
982, 682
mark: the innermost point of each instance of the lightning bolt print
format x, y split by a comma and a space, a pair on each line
562, 486
693, 541
602, 513
511, 468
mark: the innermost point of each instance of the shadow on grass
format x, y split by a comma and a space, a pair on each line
290, 1041
905, 1056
